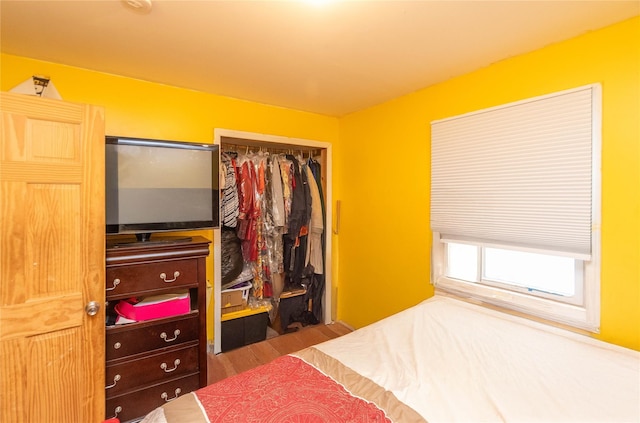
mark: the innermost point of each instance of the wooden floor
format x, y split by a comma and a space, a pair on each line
235, 361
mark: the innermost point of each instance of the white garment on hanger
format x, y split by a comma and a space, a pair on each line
316, 227
276, 194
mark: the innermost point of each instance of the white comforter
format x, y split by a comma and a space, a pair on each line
452, 361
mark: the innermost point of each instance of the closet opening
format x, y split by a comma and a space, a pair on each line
272, 253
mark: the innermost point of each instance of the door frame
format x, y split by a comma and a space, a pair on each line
276, 141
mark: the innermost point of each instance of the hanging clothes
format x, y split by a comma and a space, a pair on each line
316, 227
274, 218
229, 203
286, 173
261, 284
231, 257
300, 200
245, 203
295, 241
277, 195
315, 289
316, 169
279, 220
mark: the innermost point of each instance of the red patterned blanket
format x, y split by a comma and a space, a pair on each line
285, 390
310, 387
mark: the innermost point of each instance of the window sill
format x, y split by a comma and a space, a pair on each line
568, 316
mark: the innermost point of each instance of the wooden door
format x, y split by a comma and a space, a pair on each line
51, 260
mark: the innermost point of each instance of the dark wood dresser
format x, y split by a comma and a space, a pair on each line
152, 362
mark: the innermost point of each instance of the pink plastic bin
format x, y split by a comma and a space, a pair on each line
155, 307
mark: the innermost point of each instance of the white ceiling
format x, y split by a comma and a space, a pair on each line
332, 58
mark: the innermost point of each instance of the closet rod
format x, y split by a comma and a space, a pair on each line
274, 150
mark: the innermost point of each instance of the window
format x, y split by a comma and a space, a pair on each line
515, 206
543, 275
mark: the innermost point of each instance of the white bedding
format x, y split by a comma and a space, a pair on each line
452, 361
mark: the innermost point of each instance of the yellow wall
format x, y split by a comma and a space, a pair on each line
381, 164
142, 109
385, 149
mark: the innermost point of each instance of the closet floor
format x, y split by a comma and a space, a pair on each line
238, 360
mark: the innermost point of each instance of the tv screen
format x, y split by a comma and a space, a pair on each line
159, 186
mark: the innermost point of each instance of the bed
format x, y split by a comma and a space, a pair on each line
443, 360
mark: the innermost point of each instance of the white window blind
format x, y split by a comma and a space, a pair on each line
519, 175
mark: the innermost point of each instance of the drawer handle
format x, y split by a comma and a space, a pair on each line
116, 378
116, 410
117, 346
116, 282
176, 332
163, 366
163, 276
165, 396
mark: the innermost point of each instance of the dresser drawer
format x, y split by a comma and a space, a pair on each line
133, 405
153, 368
135, 338
127, 281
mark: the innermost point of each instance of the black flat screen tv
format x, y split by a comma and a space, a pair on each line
160, 186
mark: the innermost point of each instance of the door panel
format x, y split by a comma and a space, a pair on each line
51, 260
54, 363
53, 212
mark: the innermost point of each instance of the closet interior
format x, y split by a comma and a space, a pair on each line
272, 251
